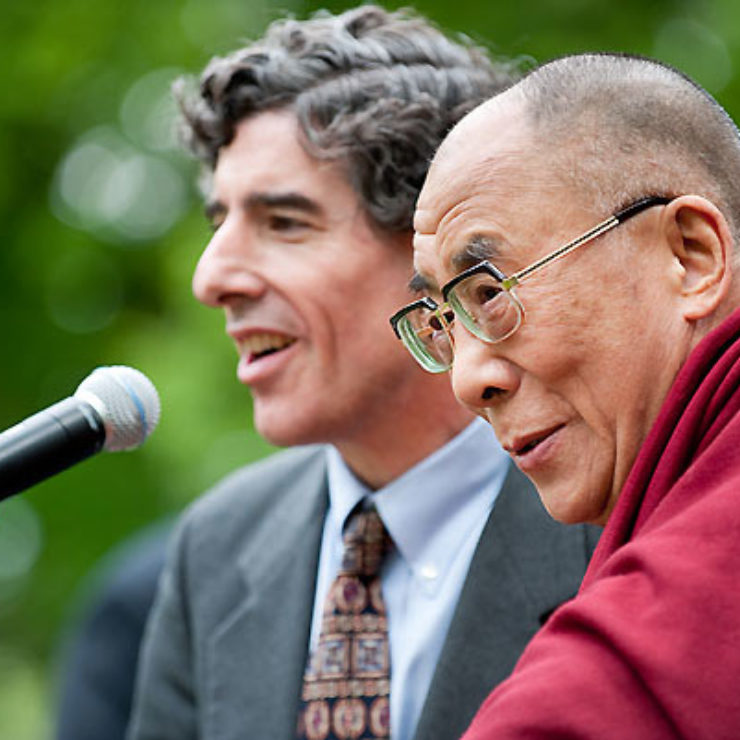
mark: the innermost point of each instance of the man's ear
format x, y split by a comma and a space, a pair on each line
699, 237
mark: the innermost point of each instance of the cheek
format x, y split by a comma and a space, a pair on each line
556, 329
357, 333
579, 318
574, 344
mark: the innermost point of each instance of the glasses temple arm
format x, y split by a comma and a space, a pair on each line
597, 230
618, 218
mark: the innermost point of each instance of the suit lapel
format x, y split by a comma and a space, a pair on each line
524, 566
257, 654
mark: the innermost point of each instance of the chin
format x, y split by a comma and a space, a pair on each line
283, 428
573, 508
279, 435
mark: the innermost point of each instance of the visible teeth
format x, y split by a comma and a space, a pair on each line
258, 344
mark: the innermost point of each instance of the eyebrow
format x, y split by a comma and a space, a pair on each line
295, 201
421, 284
291, 200
477, 249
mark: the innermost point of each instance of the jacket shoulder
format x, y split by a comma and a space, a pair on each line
227, 514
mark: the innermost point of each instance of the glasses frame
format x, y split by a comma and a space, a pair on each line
508, 283
423, 358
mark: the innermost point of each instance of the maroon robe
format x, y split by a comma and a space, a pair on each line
650, 647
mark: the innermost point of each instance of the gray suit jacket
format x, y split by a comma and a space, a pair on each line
227, 643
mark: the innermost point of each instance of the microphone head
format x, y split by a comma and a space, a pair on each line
126, 401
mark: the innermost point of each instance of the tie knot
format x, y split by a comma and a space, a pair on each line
366, 541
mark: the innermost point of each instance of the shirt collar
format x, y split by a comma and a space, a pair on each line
435, 506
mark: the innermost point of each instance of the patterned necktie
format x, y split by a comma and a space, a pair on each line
347, 682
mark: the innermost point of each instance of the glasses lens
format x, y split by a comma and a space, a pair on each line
425, 335
484, 308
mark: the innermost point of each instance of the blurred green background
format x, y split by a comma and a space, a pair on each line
101, 229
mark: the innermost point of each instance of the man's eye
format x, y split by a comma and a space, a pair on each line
286, 223
486, 292
215, 216
436, 325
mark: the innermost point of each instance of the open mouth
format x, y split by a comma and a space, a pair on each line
257, 346
534, 442
529, 446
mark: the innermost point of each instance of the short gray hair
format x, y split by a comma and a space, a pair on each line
375, 91
627, 127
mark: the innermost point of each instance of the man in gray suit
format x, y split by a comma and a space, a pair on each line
318, 138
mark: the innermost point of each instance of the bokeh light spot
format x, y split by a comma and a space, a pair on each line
20, 542
106, 186
149, 113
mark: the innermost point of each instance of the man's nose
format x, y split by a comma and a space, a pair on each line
227, 270
481, 376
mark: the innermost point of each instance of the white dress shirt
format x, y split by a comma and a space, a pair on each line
435, 513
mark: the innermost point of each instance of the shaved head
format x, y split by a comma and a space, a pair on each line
600, 116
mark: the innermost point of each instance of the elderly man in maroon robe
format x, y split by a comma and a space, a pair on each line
575, 254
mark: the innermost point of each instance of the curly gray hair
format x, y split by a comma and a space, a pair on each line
376, 91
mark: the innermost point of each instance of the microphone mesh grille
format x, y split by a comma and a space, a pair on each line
127, 402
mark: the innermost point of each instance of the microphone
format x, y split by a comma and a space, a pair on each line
114, 408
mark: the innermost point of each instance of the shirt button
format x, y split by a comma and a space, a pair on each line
429, 573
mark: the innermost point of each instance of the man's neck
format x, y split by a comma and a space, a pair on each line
387, 451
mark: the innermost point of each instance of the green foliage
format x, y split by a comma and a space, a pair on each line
101, 232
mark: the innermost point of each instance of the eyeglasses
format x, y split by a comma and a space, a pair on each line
483, 298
